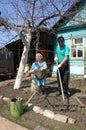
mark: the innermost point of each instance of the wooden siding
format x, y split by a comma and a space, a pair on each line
76, 65
6, 62
74, 27
76, 19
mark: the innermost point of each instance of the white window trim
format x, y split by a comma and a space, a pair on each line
71, 41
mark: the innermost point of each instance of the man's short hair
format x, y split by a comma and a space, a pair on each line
61, 38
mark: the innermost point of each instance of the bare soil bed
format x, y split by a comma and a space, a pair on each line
50, 101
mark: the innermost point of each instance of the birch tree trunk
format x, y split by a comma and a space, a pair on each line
23, 61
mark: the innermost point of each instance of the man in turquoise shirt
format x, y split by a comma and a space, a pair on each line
62, 52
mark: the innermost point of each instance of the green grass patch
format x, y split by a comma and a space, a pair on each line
84, 111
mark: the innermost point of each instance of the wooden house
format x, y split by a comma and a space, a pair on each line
45, 43
73, 28
6, 62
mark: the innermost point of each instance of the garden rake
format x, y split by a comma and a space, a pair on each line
61, 85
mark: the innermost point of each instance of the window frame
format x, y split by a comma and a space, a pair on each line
77, 45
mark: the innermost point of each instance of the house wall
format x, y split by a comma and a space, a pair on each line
73, 27
77, 66
85, 57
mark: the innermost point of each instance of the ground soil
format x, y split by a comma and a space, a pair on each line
50, 101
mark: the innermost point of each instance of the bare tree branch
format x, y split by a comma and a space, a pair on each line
33, 12
8, 25
47, 18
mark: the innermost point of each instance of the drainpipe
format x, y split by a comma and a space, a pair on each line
85, 62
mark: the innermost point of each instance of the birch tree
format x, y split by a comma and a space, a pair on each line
26, 16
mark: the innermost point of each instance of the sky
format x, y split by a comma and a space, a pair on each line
18, 15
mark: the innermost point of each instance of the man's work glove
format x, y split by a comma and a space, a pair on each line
58, 66
55, 59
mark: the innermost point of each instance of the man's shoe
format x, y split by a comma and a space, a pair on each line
68, 93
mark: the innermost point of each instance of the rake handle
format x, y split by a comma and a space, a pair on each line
61, 85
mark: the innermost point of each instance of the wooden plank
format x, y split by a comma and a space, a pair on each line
4, 70
79, 101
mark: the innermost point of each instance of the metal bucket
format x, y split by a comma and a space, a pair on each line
16, 107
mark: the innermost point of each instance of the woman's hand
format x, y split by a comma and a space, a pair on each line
31, 71
43, 68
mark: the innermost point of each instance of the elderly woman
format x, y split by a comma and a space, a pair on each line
37, 69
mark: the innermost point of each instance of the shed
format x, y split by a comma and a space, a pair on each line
45, 43
6, 62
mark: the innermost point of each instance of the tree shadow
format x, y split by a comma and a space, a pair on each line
50, 89
73, 91
52, 82
25, 86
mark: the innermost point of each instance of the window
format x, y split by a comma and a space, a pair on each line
77, 48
